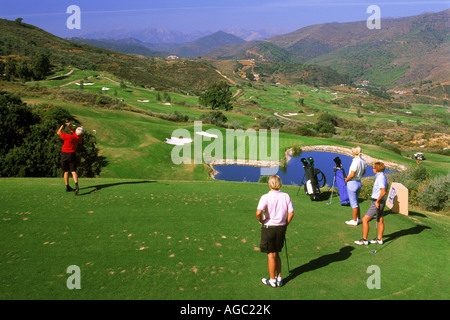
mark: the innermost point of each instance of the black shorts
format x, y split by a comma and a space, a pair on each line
272, 239
69, 161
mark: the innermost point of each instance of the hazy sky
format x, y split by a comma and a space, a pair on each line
204, 15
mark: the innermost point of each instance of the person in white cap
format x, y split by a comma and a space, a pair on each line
68, 154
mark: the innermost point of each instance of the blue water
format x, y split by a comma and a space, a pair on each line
294, 173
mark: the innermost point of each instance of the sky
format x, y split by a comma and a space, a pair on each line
204, 15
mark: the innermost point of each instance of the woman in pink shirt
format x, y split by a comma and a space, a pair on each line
275, 211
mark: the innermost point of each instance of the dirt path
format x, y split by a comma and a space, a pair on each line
60, 76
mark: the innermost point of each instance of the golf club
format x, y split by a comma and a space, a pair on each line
376, 245
287, 257
332, 189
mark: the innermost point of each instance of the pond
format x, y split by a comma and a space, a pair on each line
294, 173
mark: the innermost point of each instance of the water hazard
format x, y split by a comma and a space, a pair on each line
294, 173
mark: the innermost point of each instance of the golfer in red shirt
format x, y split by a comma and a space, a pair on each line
68, 154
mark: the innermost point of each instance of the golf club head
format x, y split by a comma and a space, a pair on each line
375, 251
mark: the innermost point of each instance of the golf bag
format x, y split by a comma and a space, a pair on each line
311, 184
339, 175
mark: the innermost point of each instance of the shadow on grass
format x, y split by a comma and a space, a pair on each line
389, 238
108, 185
323, 261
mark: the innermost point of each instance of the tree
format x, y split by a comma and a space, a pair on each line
40, 66
23, 72
218, 96
29, 146
10, 69
2, 68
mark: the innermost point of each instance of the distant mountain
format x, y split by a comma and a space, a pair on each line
404, 50
206, 44
165, 36
189, 49
126, 45
148, 35
260, 34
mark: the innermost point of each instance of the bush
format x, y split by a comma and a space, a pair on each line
434, 194
33, 148
264, 179
412, 178
391, 147
214, 117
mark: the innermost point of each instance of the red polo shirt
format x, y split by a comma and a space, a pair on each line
71, 141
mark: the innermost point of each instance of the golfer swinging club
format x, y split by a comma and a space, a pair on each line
275, 211
68, 154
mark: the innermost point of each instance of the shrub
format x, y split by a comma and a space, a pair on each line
296, 150
264, 179
35, 148
434, 194
390, 147
214, 117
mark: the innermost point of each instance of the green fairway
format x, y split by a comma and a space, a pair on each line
148, 239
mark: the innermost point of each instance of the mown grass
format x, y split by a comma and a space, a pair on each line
149, 229
148, 239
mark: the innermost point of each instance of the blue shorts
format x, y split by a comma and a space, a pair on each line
353, 190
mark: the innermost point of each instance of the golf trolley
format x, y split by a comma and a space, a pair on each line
339, 178
312, 187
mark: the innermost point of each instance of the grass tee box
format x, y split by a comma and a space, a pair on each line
164, 240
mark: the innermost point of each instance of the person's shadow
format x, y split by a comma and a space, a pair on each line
389, 238
323, 261
95, 189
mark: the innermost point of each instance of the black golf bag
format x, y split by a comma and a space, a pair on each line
312, 187
339, 176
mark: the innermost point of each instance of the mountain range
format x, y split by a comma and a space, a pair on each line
160, 35
186, 50
404, 51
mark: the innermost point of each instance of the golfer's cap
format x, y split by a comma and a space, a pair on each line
79, 131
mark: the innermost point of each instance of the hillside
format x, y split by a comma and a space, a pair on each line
404, 51
21, 41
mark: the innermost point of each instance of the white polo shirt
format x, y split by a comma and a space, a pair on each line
359, 167
275, 205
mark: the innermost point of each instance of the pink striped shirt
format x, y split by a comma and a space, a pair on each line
275, 206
